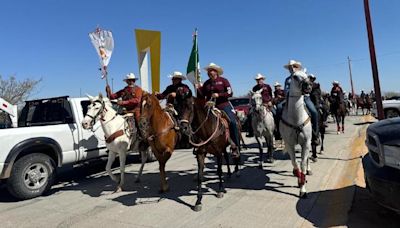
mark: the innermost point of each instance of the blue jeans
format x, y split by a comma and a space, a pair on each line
233, 129
314, 114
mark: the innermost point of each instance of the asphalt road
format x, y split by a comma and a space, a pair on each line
258, 198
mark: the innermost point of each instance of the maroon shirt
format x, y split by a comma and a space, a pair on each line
221, 86
131, 97
266, 93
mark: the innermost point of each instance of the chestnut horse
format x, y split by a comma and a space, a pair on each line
158, 127
208, 132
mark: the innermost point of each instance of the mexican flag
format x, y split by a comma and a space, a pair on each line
193, 68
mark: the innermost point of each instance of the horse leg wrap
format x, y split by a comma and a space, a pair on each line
302, 178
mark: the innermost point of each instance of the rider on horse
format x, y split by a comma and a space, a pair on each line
219, 88
130, 96
266, 98
279, 98
316, 98
337, 92
175, 92
294, 66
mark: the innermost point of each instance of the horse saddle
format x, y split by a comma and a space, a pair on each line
171, 111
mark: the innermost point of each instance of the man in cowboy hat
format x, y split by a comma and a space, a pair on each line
316, 98
279, 94
176, 88
219, 88
266, 98
294, 66
337, 91
131, 97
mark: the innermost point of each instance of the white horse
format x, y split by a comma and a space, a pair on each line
263, 125
295, 128
118, 140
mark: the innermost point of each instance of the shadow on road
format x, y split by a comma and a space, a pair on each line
325, 209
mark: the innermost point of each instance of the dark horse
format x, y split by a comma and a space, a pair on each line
338, 109
322, 117
158, 127
363, 104
208, 132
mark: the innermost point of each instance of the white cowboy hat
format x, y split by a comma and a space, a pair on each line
292, 63
277, 84
259, 76
130, 76
177, 74
335, 82
214, 67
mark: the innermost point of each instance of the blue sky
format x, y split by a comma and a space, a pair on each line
49, 39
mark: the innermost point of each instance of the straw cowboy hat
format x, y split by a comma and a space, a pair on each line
293, 63
259, 76
214, 67
177, 74
130, 76
335, 82
277, 84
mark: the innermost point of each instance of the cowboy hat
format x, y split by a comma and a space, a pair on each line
177, 74
130, 76
214, 67
335, 82
277, 84
293, 63
259, 76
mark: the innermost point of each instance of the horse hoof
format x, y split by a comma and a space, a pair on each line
270, 160
314, 159
321, 151
309, 172
197, 207
338, 132
220, 195
119, 189
303, 195
238, 173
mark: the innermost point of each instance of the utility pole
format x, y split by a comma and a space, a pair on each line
374, 64
351, 79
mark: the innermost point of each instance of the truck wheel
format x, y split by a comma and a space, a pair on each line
390, 113
31, 176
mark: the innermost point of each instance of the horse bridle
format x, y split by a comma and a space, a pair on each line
93, 121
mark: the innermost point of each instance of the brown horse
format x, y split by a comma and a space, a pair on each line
158, 127
208, 132
363, 104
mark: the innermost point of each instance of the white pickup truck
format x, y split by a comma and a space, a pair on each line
49, 135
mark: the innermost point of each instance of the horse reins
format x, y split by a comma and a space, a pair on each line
212, 135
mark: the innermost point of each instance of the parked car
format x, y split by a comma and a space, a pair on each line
49, 135
382, 163
242, 107
391, 107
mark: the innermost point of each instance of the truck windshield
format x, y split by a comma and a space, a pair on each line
46, 112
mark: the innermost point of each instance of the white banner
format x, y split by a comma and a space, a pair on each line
103, 42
